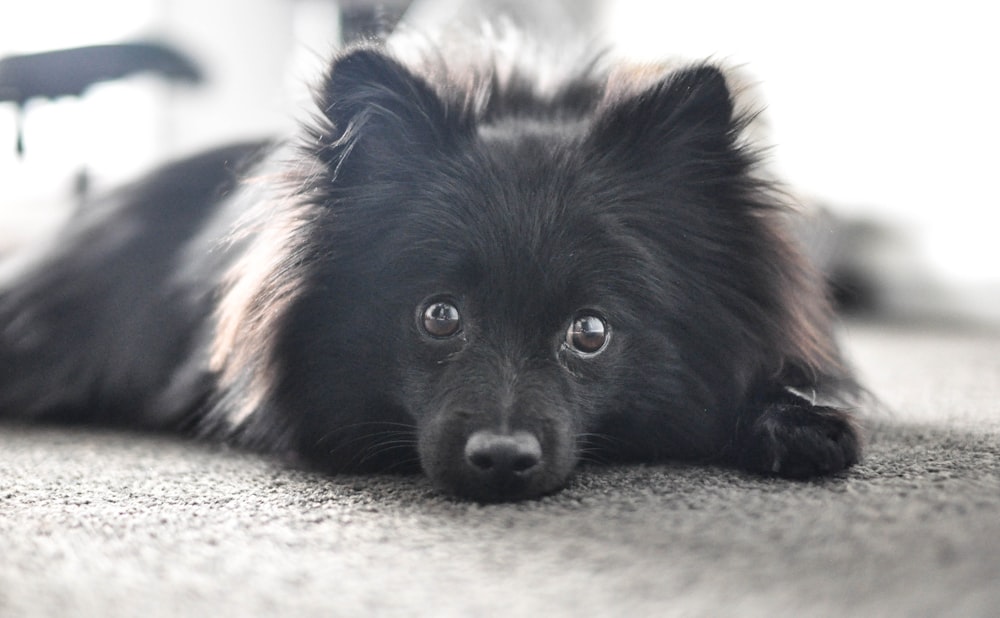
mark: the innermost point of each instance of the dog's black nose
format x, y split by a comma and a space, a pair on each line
502, 457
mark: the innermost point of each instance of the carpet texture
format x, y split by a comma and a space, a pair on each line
108, 524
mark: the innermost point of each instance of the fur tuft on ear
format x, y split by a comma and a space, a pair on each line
376, 110
689, 111
699, 95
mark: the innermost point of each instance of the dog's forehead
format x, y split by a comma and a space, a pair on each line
541, 254
516, 222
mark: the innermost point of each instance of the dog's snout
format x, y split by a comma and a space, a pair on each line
500, 456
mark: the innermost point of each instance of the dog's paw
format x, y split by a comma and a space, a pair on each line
800, 440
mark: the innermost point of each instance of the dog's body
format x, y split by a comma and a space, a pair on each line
451, 270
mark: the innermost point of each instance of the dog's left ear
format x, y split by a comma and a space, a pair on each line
688, 112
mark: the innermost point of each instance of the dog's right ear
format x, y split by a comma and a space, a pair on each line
379, 116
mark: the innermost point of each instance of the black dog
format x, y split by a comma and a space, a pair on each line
452, 269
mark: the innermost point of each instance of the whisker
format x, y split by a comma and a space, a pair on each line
361, 448
599, 447
351, 426
382, 447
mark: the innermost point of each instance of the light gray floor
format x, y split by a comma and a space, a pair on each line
106, 524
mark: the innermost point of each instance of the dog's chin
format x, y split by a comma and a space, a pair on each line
513, 489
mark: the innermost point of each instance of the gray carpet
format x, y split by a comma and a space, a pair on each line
105, 524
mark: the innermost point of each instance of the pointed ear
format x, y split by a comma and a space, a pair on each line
379, 116
688, 112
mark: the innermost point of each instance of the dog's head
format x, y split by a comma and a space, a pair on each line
496, 283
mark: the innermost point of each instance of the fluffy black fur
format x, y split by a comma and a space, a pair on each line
451, 269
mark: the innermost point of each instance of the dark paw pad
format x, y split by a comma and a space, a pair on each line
800, 440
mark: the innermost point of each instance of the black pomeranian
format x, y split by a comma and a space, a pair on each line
458, 270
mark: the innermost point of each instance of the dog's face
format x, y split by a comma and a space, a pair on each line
514, 337
502, 392
498, 299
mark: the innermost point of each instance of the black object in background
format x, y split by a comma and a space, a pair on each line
69, 72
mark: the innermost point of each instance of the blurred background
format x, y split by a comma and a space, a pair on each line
880, 115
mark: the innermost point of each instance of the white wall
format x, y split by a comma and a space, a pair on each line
882, 108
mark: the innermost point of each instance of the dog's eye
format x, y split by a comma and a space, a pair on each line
588, 334
441, 319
